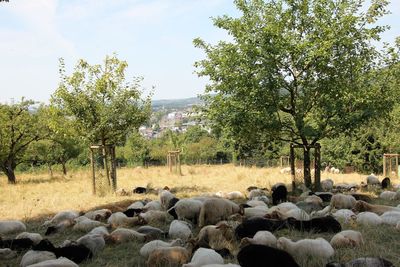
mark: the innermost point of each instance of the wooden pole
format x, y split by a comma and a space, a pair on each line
384, 165
317, 167
397, 166
292, 170
113, 169
93, 172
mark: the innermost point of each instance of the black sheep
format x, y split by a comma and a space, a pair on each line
132, 212
325, 196
264, 256
76, 253
140, 190
251, 226
16, 244
317, 225
172, 202
279, 194
385, 183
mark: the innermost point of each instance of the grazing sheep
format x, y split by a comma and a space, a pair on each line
122, 235
321, 213
314, 199
35, 237
93, 242
368, 218
256, 193
346, 187
34, 256
385, 183
136, 205
256, 211
260, 255
118, 219
344, 215
147, 248
203, 256
347, 238
363, 262
152, 205
372, 180
391, 217
151, 232
62, 216
98, 215
188, 209
139, 190
153, 216
341, 201
6, 254
100, 230
60, 227
60, 262
317, 225
214, 210
180, 229
251, 226
279, 193
387, 195
256, 203
265, 238
309, 207
86, 225
217, 237
317, 248
327, 184
378, 209
16, 244
165, 197
11, 227
170, 256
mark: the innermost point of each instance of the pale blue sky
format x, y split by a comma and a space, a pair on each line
154, 36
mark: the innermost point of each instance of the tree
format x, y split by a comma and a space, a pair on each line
103, 104
20, 126
296, 70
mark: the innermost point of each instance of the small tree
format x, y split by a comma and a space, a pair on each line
20, 126
103, 104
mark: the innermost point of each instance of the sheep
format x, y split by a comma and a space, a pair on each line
260, 255
256, 211
378, 209
324, 196
61, 226
122, 235
139, 190
165, 197
362, 197
221, 265
327, 184
60, 262
151, 232
364, 262
170, 256
172, 202
86, 225
152, 205
62, 216
136, 205
264, 199
120, 219
344, 215
214, 210
313, 199
298, 214
217, 237
256, 203
186, 209
317, 248
97, 215
309, 207
180, 229
251, 226
347, 238
99, 230
11, 227
391, 217
279, 193
76, 253
317, 225
94, 242
372, 180
33, 256
387, 195
368, 218
6, 254
385, 183
260, 238
203, 256
321, 213
234, 195
153, 216
256, 193
16, 244
147, 248
341, 201
35, 237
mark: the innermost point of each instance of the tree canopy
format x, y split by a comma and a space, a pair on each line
297, 70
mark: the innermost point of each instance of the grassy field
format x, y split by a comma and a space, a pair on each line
37, 197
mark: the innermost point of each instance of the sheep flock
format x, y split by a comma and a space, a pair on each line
338, 226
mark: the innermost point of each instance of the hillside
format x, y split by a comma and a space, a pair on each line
175, 103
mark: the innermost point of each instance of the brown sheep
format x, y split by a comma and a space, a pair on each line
378, 209
215, 210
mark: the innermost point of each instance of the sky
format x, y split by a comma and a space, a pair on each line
155, 37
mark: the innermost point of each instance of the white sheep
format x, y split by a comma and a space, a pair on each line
203, 256
391, 217
100, 214
256, 211
188, 209
180, 229
35, 237
11, 227
264, 199
94, 242
317, 248
100, 230
347, 238
344, 215
136, 205
153, 216
298, 214
327, 184
6, 254
321, 213
256, 193
165, 197
341, 201
387, 195
234, 195
368, 218
265, 238
214, 210
120, 219
62, 216
147, 248
122, 235
255, 203
60, 262
153, 205
35, 256
86, 225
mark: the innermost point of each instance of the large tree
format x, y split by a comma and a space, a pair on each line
297, 70
103, 103
20, 126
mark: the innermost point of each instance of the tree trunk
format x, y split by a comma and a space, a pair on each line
307, 163
64, 168
8, 169
50, 170
105, 161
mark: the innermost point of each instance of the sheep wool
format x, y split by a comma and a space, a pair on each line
204, 256
318, 248
347, 238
